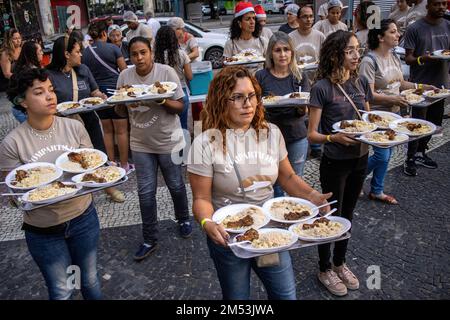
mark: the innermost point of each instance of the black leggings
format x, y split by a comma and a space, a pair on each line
432, 113
92, 125
345, 179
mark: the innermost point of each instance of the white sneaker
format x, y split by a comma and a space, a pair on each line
332, 282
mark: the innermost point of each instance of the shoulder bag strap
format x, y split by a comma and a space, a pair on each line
103, 63
241, 184
350, 100
74, 86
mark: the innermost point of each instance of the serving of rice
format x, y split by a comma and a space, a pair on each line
36, 176
258, 218
50, 191
110, 174
272, 239
92, 158
359, 126
321, 230
280, 208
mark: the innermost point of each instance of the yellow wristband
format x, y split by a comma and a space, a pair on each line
202, 223
329, 138
418, 61
162, 102
420, 86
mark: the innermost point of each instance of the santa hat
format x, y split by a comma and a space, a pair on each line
260, 13
243, 8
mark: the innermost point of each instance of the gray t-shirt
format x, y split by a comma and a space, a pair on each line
143, 30
63, 83
422, 36
109, 53
327, 28
335, 107
291, 120
257, 161
309, 45
385, 74
152, 126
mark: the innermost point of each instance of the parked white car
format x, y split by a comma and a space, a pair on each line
211, 44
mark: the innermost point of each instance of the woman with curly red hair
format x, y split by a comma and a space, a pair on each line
238, 145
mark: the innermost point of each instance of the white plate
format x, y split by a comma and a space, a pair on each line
233, 209
63, 159
246, 61
12, 175
439, 95
411, 91
63, 106
304, 96
365, 117
79, 177
268, 204
394, 125
401, 137
60, 198
85, 102
172, 87
438, 53
336, 127
308, 66
248, 246
345, 223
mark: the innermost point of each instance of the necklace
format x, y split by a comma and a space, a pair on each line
46, 136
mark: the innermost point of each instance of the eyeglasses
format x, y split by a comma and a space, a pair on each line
353, 52
240, 99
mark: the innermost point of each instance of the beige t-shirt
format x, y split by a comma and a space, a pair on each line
399, 17
179, 69
386, 79
362, 36
327, 28
152, 126
22, 146
266, 33
308, 45
143, 30
256, 161
233, 47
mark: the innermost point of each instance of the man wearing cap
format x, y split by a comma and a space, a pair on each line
186, 40
135, 28
261, 18
291, 14
332, 23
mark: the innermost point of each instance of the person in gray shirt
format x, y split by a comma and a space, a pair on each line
421, 39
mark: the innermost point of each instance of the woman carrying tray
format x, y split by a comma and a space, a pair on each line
339, 95
281, 77
245, 33
168, 51
237, 145
65, 233
383, 70
156, 138
65, 70
105, 60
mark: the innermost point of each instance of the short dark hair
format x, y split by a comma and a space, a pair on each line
21, 81
97, 28
299, 12
372, 37
139, 39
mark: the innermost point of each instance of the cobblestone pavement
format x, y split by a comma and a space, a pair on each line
409, 243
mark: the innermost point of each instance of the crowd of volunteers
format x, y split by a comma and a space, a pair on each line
357, 71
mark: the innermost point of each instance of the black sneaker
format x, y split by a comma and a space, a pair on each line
410, 168
185, 229
145, 250
425, 161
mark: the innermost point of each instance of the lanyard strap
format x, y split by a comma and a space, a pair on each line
74, 86
103, 63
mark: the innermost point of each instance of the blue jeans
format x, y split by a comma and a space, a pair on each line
76, 245
146, 165
19, 115
378, 163
184, 114
234, 275
297, 153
